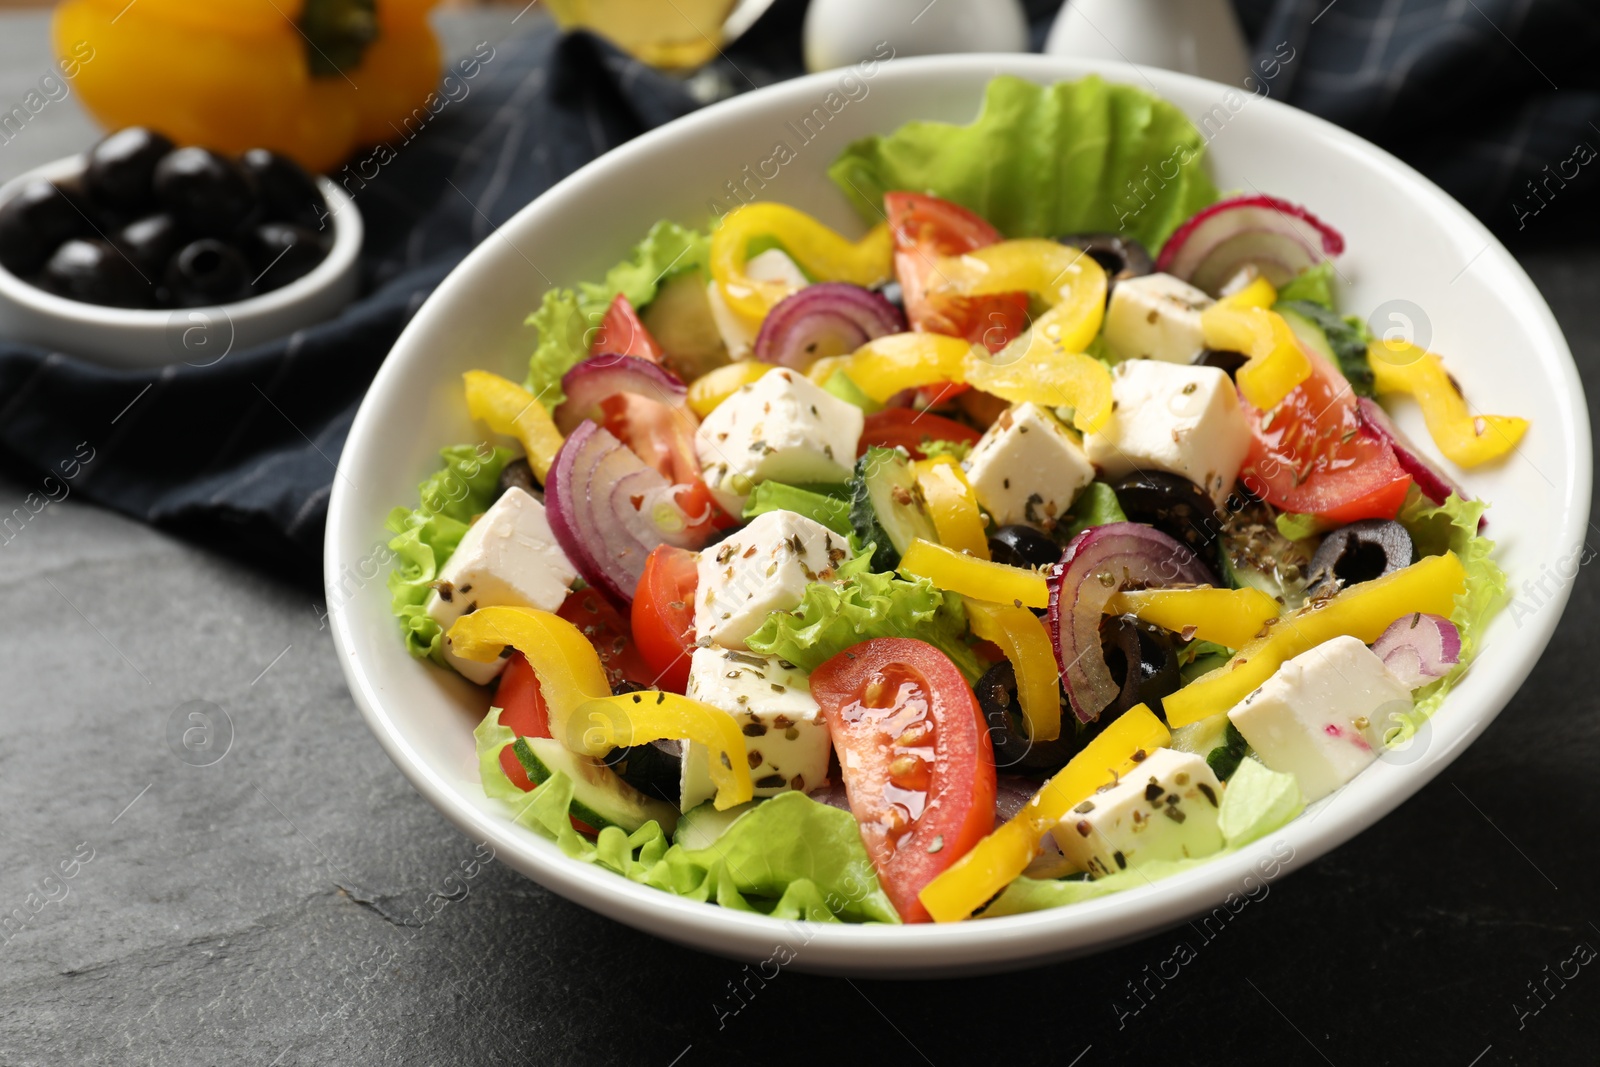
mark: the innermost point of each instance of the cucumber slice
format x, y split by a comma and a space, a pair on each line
701, 825
1336, 340
599, 797
679, 318
1253, 554
888, 509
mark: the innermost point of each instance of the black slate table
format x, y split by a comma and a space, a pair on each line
296, 901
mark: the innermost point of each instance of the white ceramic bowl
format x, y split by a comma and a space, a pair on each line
133, 338
1408, 242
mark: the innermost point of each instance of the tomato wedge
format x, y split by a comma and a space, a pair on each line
621, 333
911, 430
917, 762
663, 614
522, 710
925, 228
608, 632
1313, 455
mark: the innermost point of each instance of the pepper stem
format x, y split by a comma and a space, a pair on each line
337, 34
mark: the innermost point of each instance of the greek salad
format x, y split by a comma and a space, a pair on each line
1046, 540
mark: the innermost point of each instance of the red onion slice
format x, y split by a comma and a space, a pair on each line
1096, 564
1279, 238
1435, 484
600, 377
608, 509
826, 319
1419, 648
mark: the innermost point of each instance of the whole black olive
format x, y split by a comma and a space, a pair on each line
1142, 661
208, 271
282, 253
1014, 751
654, 768
150, 242
1023, 546
1360, 552
1121, 257
1227, 362
287, 192
1172, 504
93, 271
206, 192
519, 474
122, 168
34, 221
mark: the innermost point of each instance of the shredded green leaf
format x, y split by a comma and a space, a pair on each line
861, 604
1314, 285
427, 535
1095, 506
1043, 161
789, 857
956, 450
830, 511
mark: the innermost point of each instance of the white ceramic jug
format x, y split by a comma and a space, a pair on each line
1193, 36
841, 32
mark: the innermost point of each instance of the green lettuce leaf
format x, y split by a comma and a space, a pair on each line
1255, 803
861, 604
956, 450
1314, 285
1095, 506
1296, 527
565, 316
1453, 526
1042, 161
789, 857
830, 511
427, 535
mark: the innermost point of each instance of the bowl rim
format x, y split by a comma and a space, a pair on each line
927, 950
348, 232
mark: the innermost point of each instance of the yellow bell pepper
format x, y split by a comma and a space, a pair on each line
1362, 611
584, 715
1276, 364
952, 504
1065, 278
1258, 294
1231, 617
999, 858
1022, 637
313, 79
822, 253
1465, 438
985, 580
637, 718
884, 366
506, 407
713, 387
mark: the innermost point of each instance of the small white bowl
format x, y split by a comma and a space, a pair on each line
135, 338
1410, 248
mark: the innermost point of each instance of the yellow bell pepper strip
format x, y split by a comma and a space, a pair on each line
1465, 438
999, 858
1362, 611
952, 504
958, 573
584, 715
1065, 278
1021, 636
506, 407
638, 718
822, 253
1276, 364
313, 79
886, 365
569, 669
1231, 617
713, 387
1258, 294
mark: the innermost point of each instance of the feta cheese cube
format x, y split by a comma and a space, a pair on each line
508, 558
1185, 420
1165, 809
779, 427
786, 741
1156, 317
1027, 468
762, 568
773, 265
1321, 716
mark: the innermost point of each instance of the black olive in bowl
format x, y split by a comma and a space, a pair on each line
1142, 660
150, 242
208, 271
121, 169
287, 193
207, 192
1359, 553
282, 253
34, 222
1014, 751
1172, 504
654, 769
1227, 362
1023, 546
1120, 257
95, 272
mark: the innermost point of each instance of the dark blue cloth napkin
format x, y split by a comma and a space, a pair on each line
1482, 95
